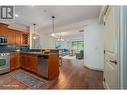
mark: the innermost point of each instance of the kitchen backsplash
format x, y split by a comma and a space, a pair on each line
11, 48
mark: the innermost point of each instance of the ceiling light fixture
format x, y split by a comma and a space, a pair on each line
60, 38
53, 27
34, 36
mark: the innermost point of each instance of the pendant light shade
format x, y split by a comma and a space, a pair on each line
53, 34
34, 37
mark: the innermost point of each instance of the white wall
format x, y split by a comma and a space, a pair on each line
94, 45
46, 41
69, 32
68, 40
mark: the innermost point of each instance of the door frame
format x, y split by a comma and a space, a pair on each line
118, 26
121, 44
123, 47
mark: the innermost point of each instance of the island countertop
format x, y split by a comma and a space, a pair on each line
38, 53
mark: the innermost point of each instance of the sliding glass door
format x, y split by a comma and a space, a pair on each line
77, 45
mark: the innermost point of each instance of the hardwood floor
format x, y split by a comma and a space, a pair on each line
73, 75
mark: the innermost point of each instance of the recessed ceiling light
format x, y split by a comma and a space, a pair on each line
16, 15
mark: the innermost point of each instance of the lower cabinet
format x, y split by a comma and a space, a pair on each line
29, 62
14, 61
23, 61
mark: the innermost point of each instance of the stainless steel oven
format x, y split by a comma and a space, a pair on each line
4, 62
3, 40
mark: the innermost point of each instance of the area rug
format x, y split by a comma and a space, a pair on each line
29, 80
69, 57
72, 59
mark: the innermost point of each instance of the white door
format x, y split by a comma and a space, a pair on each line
110, 42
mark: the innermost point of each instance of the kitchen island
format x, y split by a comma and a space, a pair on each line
44, 65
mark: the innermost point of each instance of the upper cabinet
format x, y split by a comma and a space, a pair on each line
24, 39
15, 37
18, 38
10, 36
3, 29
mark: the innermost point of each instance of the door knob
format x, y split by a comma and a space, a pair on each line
115, 62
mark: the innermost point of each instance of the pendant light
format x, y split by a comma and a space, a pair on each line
60, 38
53, 27
34, 36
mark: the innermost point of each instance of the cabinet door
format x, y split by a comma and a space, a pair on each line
18, 63
23, 61
14, 61
29, 62
18, 38
3, 30
33, 63
10, 36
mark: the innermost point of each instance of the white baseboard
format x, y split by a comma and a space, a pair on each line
98, 69
105, 85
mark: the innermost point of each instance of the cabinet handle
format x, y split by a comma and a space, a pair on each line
115, 62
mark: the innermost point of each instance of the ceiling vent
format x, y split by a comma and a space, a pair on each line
81, 30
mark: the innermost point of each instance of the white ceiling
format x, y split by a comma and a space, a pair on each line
41, 15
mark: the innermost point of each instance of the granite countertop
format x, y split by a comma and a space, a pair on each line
38, 53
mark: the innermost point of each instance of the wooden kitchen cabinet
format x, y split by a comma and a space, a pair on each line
23, 61
45, 65
10, 37
15, 61
3, 29
22, 38
25, 39
18, 38
10, 34
14, 37
29, 62
32, 65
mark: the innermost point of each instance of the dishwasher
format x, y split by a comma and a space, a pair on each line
42, 67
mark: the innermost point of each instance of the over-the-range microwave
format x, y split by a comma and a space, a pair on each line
3, 40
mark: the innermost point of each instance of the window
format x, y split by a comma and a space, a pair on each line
77, 45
